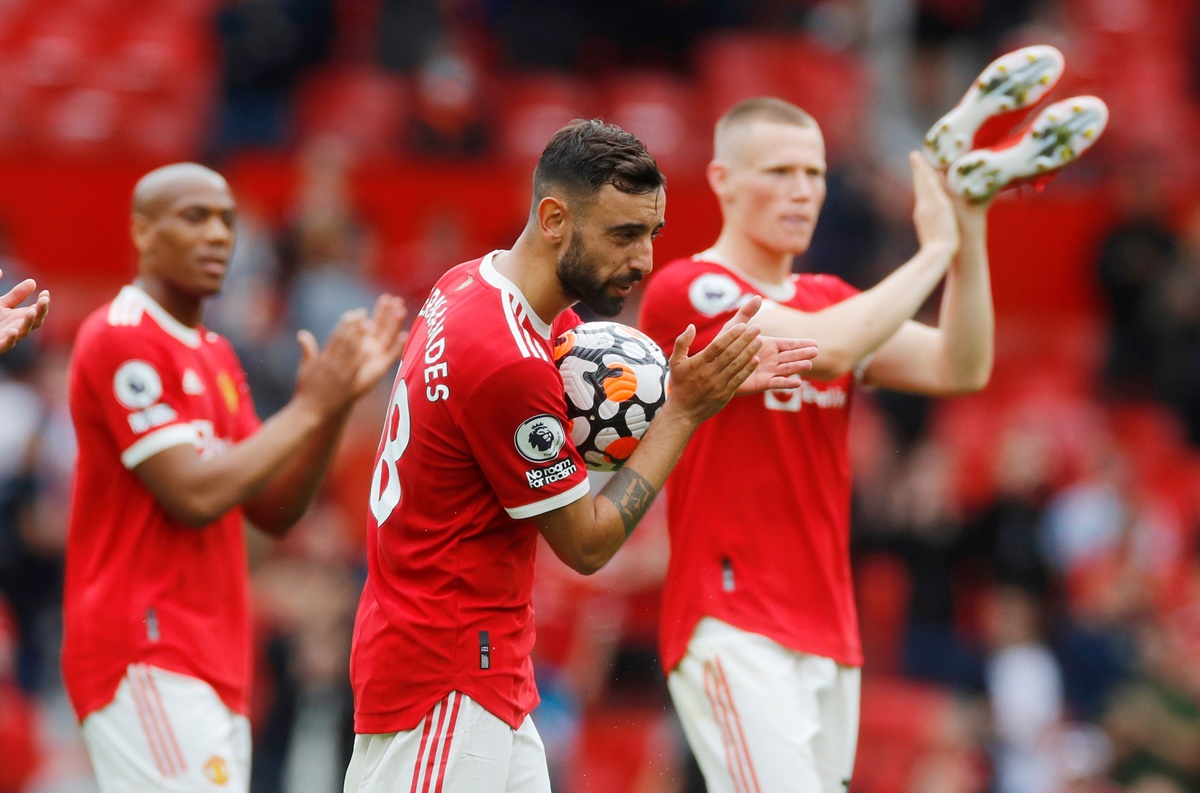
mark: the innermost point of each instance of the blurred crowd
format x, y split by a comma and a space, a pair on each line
1026, 559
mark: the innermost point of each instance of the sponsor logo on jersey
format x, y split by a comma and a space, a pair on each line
790, 400
785, 399
137, 385
192, 384
713, 293
208, 443
539, 439
216, 770
229, 391
151, 417
540, 477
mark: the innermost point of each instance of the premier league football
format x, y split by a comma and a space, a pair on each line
615, 378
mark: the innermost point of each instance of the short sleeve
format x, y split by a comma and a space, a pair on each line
682, 296
516, 425
137, 393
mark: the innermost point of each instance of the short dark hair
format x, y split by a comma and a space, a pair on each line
587, 154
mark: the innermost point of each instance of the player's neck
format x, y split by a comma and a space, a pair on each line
533, 270
188, 310
761, 264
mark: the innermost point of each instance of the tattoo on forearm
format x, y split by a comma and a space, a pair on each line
632, 494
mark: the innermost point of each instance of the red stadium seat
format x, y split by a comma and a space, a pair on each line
171, 128
901, 722
663, 110
58, 48
831, 85
535, 105
82, 122
160, 54
366, 107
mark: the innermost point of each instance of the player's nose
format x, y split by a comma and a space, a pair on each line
217, 230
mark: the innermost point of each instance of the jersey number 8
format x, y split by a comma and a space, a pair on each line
385, 484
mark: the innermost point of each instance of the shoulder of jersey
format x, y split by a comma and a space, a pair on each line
495, 320
825, 283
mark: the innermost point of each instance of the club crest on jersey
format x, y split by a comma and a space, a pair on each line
137, 385
217, 770
229, 391
540, 439
713, 293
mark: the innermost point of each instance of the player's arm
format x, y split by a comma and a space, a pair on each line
275, 472
848, 331
17, 321
956, 356
286, 496
587, 532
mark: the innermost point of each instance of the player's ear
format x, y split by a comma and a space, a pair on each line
717, 174
553, 219
139, 231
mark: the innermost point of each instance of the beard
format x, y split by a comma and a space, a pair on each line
577, 274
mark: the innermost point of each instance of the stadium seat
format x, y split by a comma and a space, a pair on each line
663, 110
882, 588
82, 122
16, 113
165, 128
364, 106
160, 54
58, 48
901, 722
829, 84
535, 105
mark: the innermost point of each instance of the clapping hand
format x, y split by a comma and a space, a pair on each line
17, 321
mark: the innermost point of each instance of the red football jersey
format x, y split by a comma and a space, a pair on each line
141, 587
759, 505
474, 445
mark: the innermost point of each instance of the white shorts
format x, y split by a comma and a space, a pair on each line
458, 748
167, 732
760, 717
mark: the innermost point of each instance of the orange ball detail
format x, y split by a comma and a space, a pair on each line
623, 386
565, 345
620, 449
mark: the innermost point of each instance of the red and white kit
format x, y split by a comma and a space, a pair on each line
475, 444
142, 590
774, 565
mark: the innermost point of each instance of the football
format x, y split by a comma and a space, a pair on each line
615, 379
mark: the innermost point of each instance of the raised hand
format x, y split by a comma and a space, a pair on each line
383, 343
781, 361
703, 383
17, 321
933, 214
326, 378
780, 364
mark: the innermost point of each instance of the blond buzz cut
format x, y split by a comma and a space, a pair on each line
749, 111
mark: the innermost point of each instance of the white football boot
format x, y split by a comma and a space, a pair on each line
1057, 137
1008, 87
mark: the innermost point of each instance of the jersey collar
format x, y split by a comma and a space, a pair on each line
780, 293
491, 275
173, 327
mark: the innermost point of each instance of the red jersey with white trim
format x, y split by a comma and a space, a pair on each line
759, 505
474, 446
140, 586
